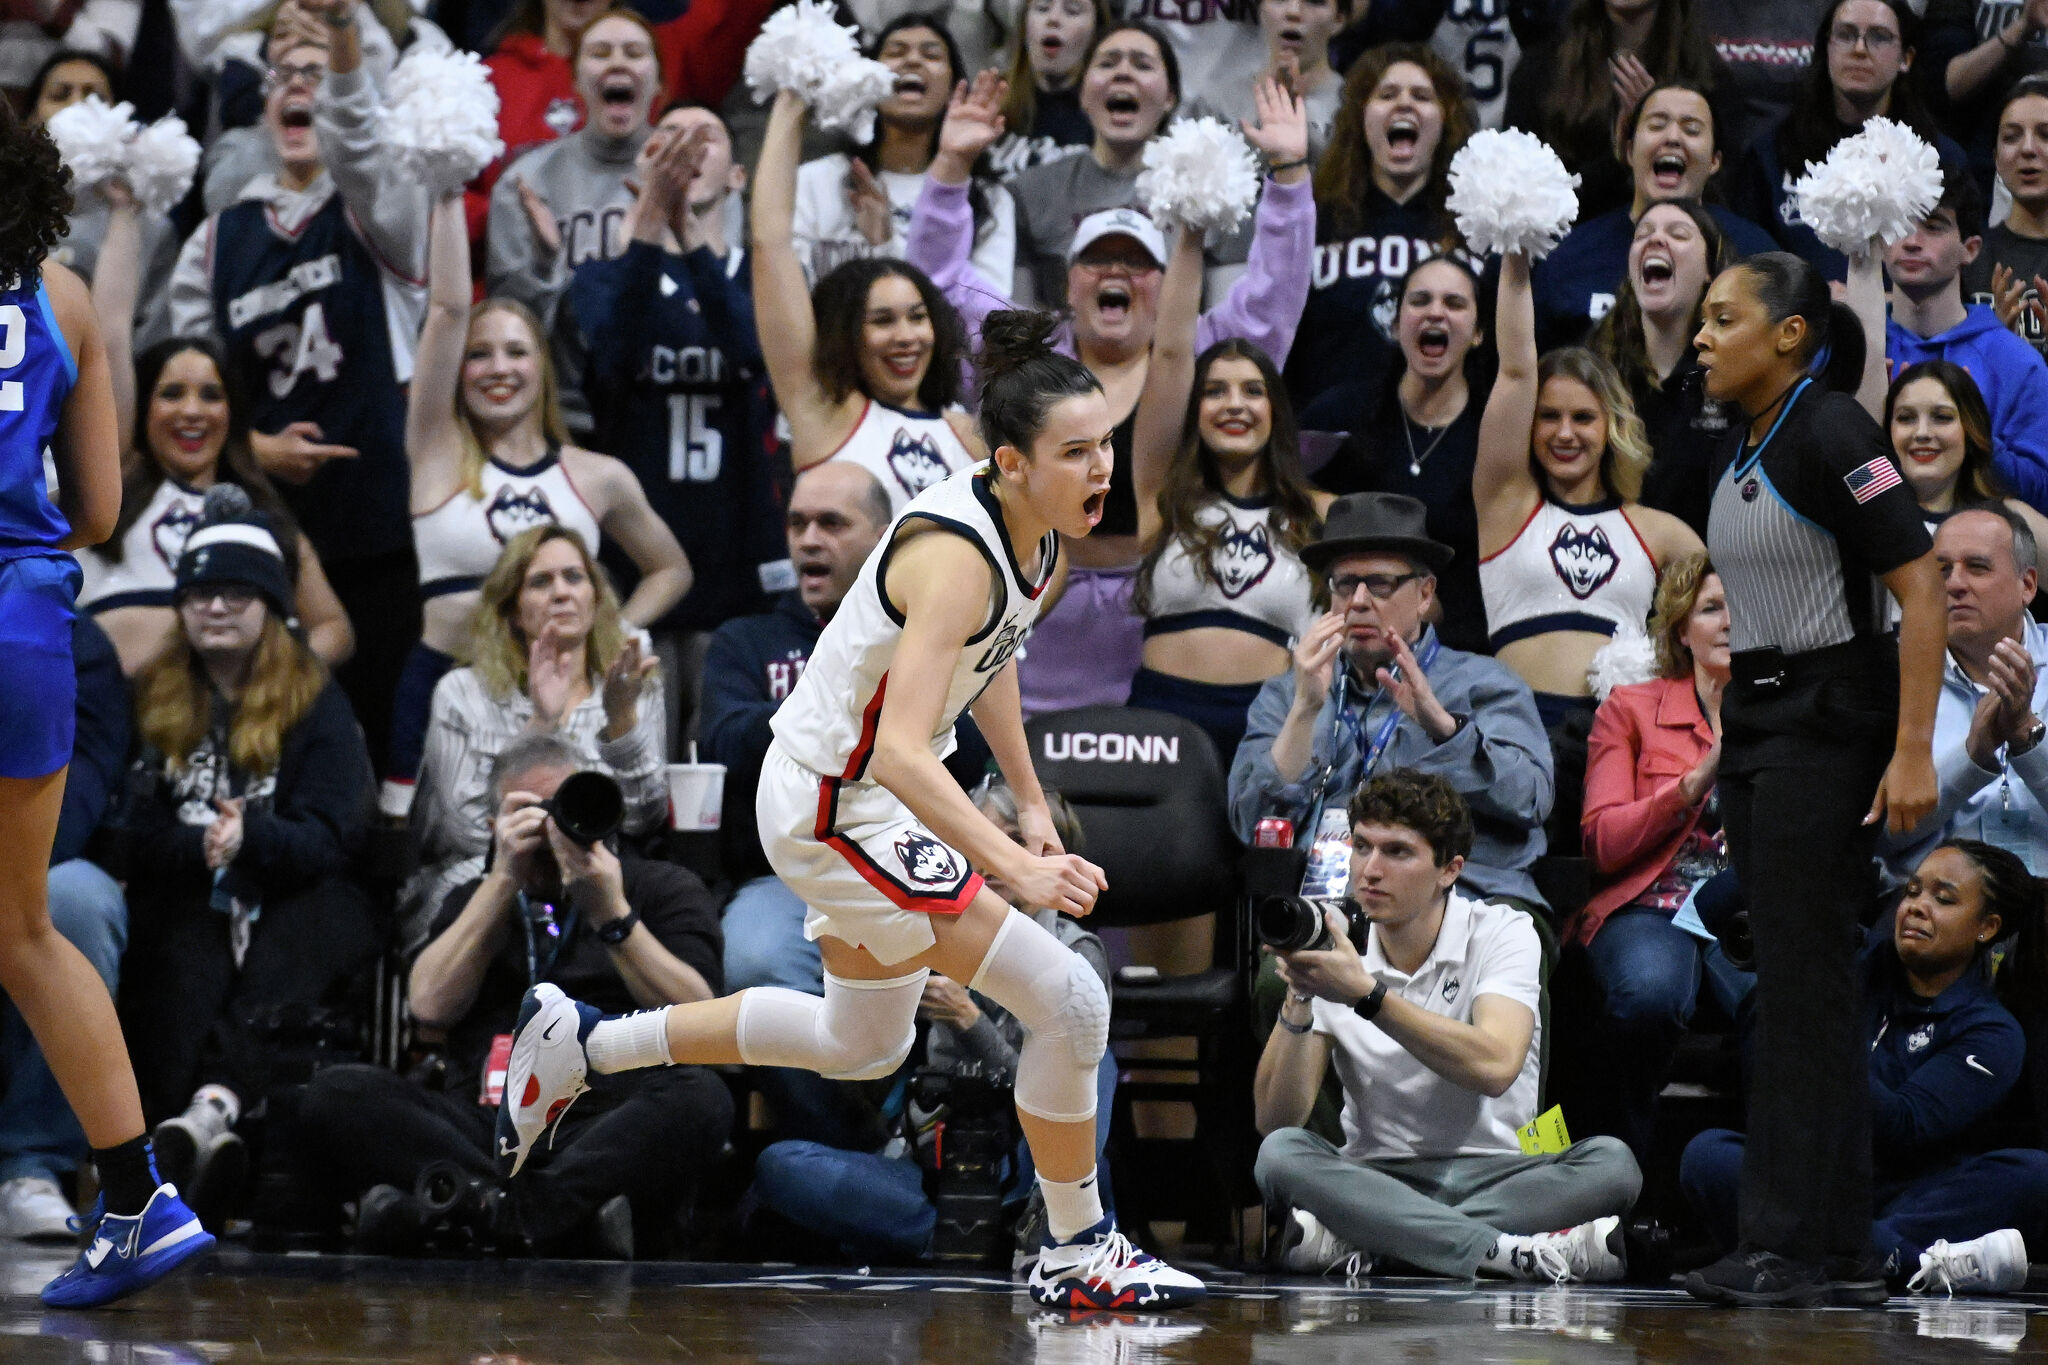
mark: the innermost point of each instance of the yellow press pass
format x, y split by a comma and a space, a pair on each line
1545, 1134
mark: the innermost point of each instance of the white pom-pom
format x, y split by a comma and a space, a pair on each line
803, 49
1629, 657
1879, 183
1200, 174
162, 159
849, 95
442, 118
93, 139
1509, 192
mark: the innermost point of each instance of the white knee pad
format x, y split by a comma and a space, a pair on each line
859, 1031
1064, 1008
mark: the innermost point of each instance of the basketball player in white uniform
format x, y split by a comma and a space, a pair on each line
858, 815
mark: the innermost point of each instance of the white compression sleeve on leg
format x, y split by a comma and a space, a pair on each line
1064, 1008
859, 1031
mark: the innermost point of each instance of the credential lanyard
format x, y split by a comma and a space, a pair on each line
1352, 726
557, 931
1743, 466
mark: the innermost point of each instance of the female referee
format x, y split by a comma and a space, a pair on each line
860, 819
1825, 708
55, 393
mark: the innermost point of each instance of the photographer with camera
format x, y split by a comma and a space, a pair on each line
556, 903
1426, 1001
1373, 689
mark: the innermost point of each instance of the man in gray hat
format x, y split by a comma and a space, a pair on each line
1372, 690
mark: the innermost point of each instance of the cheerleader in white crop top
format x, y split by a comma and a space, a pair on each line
859, 817
1566, 554
866, 367
1223, 511
490, 458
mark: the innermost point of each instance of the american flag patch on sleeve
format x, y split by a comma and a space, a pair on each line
1867, 481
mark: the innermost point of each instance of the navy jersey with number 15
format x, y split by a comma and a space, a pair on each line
677, 388
304, 320
36, 375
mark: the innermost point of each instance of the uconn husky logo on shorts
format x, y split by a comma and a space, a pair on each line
1243, 558
915, 461
926, 861
1585, 560
171, 530
514, 510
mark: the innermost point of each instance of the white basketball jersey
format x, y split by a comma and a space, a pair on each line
828, 722
146, 575
459, 541
907, 452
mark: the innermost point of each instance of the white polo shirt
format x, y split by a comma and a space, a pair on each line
1394, 1106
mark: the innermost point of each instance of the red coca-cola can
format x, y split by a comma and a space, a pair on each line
1273, 832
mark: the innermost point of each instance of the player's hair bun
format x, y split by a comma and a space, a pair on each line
1012, 338
1022, 376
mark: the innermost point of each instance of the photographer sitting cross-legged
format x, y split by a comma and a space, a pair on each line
616, 929
1426, 1002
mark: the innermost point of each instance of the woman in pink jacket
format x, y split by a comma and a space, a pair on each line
1652, 829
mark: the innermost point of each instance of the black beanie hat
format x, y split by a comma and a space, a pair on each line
234, 544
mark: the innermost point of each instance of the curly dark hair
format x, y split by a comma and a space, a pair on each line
840, 304
1423, 802
36, 210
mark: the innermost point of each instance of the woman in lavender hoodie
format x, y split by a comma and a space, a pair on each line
1087, 653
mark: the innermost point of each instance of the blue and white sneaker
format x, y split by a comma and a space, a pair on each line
547, 1072
1101, 1269
130, 1253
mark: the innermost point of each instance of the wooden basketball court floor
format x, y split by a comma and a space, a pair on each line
338, 1310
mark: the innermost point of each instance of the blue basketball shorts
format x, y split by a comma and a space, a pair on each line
38, 682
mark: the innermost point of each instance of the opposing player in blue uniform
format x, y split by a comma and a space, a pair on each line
55, 394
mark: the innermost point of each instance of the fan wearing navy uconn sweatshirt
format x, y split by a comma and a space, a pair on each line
1930, 321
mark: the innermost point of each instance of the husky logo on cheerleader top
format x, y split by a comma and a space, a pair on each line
518, 509
927, 861
172, 529
915, 461
1585, 560
1244, 556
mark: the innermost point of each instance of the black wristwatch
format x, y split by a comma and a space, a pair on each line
2030, 742
613, 934
1368, 1008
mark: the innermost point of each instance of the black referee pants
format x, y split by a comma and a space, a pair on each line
1800, 763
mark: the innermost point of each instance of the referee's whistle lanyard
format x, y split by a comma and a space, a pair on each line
1745, 463
1347, 725
544, 932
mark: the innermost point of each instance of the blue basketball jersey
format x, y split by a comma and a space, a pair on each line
37, 373
306, 331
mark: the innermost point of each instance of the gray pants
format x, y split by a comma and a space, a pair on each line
1443, 1214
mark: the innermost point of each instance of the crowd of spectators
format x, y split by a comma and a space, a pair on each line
569, 471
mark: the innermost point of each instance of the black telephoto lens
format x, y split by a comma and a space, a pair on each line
588, 807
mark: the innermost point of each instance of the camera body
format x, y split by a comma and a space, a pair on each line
968, 1121
1295, 924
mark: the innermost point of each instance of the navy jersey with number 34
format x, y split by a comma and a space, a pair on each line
304, 320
